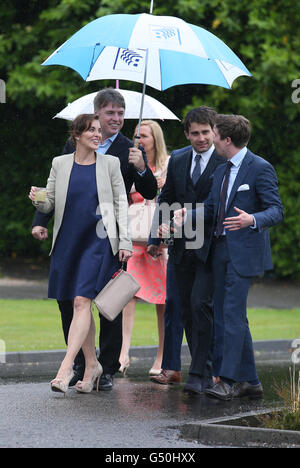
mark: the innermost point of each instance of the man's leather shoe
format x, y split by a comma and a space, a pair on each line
106, 382
197, 384
220, 390
78, 375
245, 389
167, 377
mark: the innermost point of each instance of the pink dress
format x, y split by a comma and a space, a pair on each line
149, 272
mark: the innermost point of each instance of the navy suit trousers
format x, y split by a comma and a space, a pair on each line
173, 323
233, 355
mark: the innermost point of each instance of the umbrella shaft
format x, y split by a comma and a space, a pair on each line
136, 143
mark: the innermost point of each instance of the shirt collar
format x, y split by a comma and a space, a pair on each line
238, 157
109, 140
206, 154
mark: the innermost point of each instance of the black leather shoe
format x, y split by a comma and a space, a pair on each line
197, 384
78, 375
106, 382
220, 390
244, 389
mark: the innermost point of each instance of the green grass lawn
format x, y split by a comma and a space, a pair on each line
27, 325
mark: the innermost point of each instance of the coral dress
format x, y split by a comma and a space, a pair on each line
149, 272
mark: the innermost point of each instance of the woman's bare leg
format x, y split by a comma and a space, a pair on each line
128, 321
160, 311
81, 335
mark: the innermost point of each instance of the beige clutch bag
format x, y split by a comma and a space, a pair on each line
116, 294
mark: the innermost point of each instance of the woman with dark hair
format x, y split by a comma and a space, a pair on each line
90, 238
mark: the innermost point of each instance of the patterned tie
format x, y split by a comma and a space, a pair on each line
223, 196
197, 170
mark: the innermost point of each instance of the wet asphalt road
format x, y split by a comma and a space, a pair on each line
136, 413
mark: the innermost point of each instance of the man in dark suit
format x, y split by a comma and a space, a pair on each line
189, 180
109, 104
244, 202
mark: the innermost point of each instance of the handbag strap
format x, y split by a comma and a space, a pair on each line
119, 271
113, 276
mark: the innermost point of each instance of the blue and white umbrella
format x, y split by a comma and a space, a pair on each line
159, 51
166, 49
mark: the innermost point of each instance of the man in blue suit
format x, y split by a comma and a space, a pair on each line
243, 203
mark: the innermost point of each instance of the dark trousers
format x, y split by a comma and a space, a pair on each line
110, 339
172, 323
195, 285
233, 355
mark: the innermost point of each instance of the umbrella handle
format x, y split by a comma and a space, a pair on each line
136, 141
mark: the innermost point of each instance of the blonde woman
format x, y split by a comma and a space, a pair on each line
150, 272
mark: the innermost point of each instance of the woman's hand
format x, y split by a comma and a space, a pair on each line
124, 255
32, 193
160, 182
153, 251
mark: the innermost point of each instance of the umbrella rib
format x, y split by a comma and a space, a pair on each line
93, 60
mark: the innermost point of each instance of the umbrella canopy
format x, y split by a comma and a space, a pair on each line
152, 109
169, 50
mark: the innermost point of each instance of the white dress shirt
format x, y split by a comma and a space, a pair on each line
205, 157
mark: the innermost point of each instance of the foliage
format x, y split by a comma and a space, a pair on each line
31, 325
263, 33
288, 418
36, 324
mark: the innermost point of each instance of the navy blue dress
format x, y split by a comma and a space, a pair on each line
82, 261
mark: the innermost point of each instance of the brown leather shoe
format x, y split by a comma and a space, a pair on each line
167, 377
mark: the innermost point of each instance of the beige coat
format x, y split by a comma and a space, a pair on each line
111, 194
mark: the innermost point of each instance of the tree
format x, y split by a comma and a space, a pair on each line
263, 33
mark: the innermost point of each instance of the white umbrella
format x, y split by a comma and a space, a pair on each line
152, 109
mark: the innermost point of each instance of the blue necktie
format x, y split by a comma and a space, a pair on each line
197, 170
222, 204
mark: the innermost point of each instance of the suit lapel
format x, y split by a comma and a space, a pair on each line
184, 167
243, 170
217, 184
115, 146
208, 171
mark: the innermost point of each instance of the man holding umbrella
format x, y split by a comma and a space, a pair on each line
109, 104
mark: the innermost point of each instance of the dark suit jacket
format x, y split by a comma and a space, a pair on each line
146, 185
175, 190
249, 249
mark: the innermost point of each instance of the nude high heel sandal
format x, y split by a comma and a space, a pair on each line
87, 387
123, 368
62, 385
